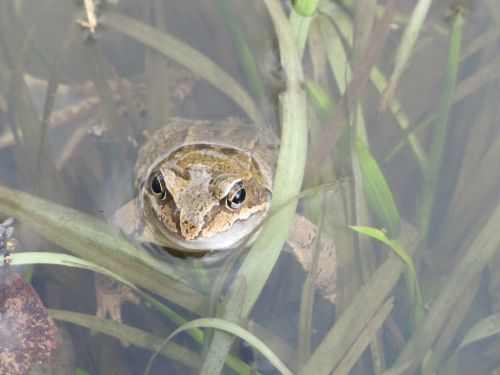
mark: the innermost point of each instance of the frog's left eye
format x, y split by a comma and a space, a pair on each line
157, 185
236, 196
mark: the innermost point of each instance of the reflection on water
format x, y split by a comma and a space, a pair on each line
435, 144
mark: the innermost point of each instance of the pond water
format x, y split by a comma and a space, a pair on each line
418, 166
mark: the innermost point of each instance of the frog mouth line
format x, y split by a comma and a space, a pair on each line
232, 238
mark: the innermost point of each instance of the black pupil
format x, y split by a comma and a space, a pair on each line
156, 187
239, 197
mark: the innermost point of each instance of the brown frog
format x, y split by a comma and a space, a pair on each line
204, 187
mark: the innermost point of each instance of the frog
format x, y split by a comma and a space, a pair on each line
203, 188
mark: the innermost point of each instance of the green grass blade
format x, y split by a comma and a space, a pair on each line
290, 168
216, 354
487, 327
184, 55
335, 51
129, 334
302, 14
234, 330
291, 163
477, 256
440, 130
361, 310
365, 338
320, 102
377, 190
243, 50
412, 280
97, 241
335, 13
484, 329
405, 48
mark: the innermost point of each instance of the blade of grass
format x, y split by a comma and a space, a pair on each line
302, 14
364, 339
60, 259
355, 86
361, 310
405, 48
95, 240
337, 14
440, 130
244, 53
291, 162
216, 355
487, 327
186, 56
55, 74
377, 190
290, 168
237, 331
456, 320
411, 280
482, 248
129, 334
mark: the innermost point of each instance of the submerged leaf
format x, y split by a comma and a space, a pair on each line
235, 330
412, 281
485, 328
377, 190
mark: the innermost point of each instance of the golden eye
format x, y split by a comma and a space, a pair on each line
236, 196
157, 186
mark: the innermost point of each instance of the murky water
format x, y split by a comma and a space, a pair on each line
435, 145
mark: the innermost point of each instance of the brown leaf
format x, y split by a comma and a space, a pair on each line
27, 332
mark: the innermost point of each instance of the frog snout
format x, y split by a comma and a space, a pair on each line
191, 226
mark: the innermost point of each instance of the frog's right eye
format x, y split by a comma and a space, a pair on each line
157, 185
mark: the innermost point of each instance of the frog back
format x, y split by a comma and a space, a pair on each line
232, 132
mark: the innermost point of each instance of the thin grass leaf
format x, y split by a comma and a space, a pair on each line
231, 310
351, 97
290, 168
300, 19
337, 14
365, 338
321, 103
487, 327
243, 50
335, 51
361, 310
129, 334
380, 82
96, 240
66, 260
235, 330
477, 256
291, 163
405, 48
50, 95
377, 190
186, 56
412, 280
59, 259
440, 130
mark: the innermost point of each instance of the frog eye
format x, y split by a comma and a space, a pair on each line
157, 185
236, 196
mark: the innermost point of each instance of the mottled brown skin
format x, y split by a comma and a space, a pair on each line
200, 162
